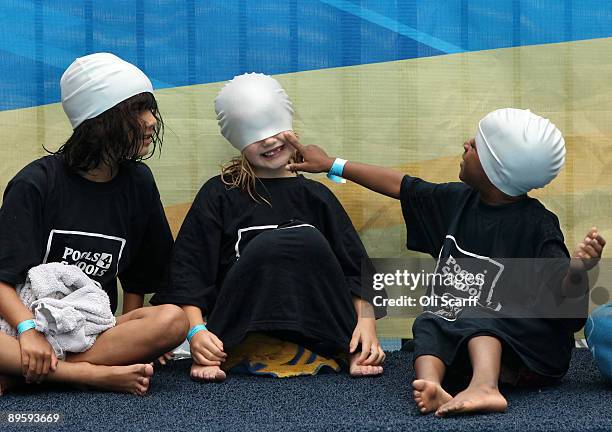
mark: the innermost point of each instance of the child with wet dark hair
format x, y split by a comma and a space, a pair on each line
94, 205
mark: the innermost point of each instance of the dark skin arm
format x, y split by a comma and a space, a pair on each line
385, 181
388, 182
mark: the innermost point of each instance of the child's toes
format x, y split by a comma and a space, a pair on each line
446, 409
442, 410
373, 370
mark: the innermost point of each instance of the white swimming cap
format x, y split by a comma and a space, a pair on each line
96, 83
519, 150
252, 107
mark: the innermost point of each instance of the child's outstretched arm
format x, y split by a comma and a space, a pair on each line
382, 180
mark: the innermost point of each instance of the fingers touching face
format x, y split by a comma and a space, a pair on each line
271, 153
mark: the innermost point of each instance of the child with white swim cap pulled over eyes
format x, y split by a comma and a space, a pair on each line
265, 251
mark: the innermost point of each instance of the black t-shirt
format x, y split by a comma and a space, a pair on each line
222, 221
110, 229
433, 212
452, 224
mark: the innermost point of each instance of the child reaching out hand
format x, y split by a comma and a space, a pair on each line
485, 219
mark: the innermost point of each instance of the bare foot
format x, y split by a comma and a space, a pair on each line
358, 370
133, 379
429, 396
8, 382
207, 373
474, 400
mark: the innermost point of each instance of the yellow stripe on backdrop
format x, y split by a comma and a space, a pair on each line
412, 115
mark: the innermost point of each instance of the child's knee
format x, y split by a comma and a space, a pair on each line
172, 323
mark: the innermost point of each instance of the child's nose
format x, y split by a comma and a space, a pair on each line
149, 120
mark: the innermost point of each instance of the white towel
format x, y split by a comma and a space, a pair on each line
69, 308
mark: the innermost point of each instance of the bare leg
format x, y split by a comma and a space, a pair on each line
207, 373
428, 392
139, 336
358, 370
126, 379
482, 394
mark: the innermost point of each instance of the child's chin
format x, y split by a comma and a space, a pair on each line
276, 163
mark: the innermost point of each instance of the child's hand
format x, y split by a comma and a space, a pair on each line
588, 252
371, 351
37, 356
313, 158
207, 349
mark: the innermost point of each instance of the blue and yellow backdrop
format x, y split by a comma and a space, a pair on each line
400, 83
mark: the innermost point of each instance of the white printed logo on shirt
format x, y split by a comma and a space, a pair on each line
245, 235
98, 255
465, 276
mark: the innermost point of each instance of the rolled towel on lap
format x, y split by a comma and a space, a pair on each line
69, 308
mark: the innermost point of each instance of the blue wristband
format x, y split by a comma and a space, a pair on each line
24, 326
194, 330
336, 170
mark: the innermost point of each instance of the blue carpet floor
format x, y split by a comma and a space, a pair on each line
323, 403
